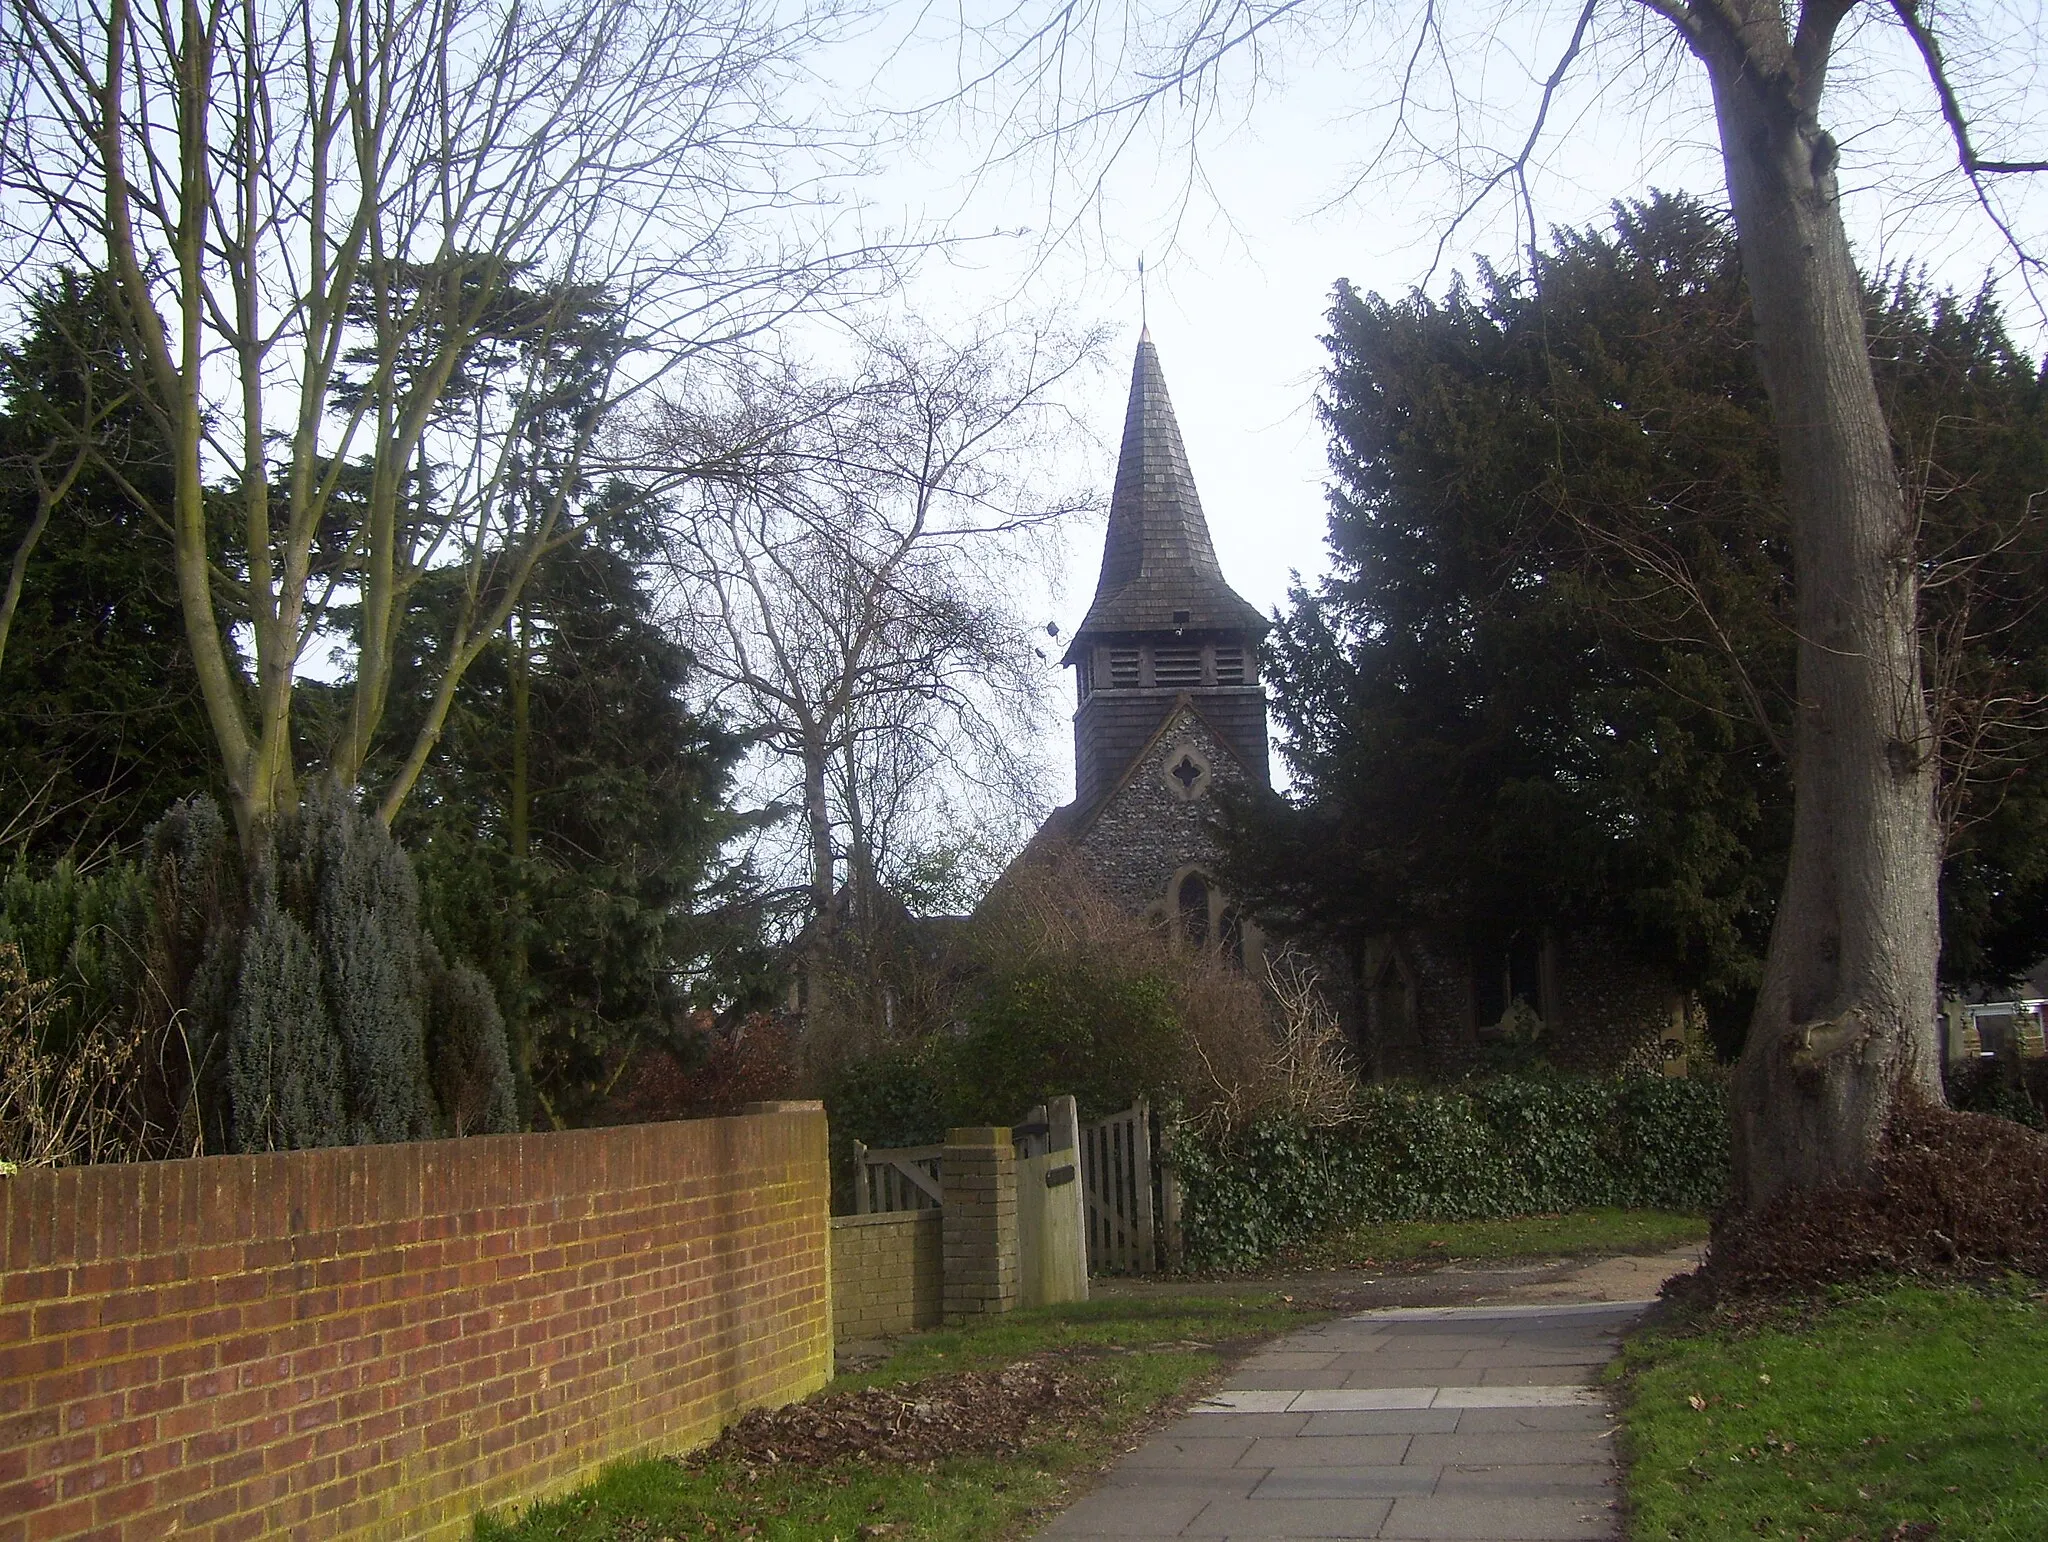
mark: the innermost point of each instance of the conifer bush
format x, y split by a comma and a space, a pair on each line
313, 1005
285, 1086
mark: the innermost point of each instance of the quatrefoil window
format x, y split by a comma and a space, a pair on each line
1187, 772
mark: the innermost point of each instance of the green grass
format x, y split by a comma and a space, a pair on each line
1577, 1233
1868, 1414
1167, 1346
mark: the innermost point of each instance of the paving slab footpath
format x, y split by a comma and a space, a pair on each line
1479, 1423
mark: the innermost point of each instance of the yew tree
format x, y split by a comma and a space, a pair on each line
1550, 673
1843, 1028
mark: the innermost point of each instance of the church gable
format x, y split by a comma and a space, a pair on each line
1151, 832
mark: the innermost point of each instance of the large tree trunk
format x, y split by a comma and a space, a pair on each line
1844, 1020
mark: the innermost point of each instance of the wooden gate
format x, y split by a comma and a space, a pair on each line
1133, 1200
903, 1178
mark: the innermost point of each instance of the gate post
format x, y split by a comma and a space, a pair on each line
978, 1231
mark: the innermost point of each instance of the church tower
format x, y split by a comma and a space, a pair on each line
1165, 630
1170, 708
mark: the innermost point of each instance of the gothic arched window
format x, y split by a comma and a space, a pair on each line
1194, 909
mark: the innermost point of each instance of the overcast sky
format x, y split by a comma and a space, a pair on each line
1242, 253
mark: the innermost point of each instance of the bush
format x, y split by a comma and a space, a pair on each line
68, 1101
285, 1083
74, 929
1992, 1086
317, 1009
472, 1063
1066, 1026
1508, 1146
903, 1096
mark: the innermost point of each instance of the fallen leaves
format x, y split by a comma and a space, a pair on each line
963, 1413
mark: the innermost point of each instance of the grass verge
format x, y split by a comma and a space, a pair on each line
1905, 1414
1573, 1234
1141, 1355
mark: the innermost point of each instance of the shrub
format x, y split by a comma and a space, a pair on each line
1067, 1026
1054, 955
1992, 1086
472, 1063
316, 1006
301, 1003
1508, 1146
74, 930
906, 1095
285, 1082
62, 1102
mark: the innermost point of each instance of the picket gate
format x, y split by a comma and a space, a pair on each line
900, 1178
1131, 1199
1133, 1196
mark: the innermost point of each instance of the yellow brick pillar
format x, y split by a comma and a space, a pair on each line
978, 1176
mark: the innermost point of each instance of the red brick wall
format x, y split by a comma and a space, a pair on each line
380, 1341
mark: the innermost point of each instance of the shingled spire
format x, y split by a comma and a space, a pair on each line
1164, 627
1159, 567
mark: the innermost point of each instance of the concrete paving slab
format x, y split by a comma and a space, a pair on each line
1292, 1360
1455, 1518
1282, 1520
1183, 1483
1517, 1397
1381, 1421
1190, 1451
1327, 1451
1348, 1399
1236, 1401
1435, 1357
1451, 1336
1408, 1375
1537, 1375
1594, 1481
1126, 1513
1593, 1414
1259, 1377
1344, 1483
1533, 1355
1520, 1312
1509, 1449
1211, 1424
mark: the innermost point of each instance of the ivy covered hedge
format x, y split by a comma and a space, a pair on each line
1501, 1147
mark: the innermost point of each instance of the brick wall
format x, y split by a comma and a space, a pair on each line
887, 1274
379, 1341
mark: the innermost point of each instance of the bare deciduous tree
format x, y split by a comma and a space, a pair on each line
383, 265
849, 588
1843, 1027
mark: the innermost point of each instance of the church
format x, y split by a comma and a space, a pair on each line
1169, 708
1168, 702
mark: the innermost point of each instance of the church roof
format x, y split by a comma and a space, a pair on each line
1158, 561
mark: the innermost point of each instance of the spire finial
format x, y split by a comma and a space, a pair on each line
1144, 321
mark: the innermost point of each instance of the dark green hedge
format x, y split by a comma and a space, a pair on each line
1509, 1146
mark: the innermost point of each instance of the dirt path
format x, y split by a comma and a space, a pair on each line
1624, 1278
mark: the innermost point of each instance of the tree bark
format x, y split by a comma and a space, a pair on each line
818, 830
1844, 1022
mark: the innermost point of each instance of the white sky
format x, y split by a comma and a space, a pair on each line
1241, 271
